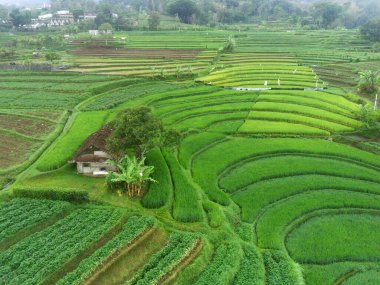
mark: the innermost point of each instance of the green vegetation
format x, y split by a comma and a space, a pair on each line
82, 125
178, 248
21, 214
33, 259
223, 265
304, 247
256, 132
131, 230
158, 193
131, 176
186, 204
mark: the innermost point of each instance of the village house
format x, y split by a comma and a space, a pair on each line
92, 157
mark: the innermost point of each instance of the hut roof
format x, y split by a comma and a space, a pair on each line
96, 142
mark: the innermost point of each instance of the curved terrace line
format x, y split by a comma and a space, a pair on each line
262, 211
299, 221
238, 163
268, 178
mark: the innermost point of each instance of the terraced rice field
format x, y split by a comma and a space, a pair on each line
150, 54
24, 133
57, 242
257, 192
35, 107
143, 62
259, 70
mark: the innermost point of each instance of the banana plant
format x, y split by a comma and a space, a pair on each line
131, 175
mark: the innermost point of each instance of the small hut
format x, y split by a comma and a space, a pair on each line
91, 158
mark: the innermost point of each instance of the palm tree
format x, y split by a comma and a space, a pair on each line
131, 175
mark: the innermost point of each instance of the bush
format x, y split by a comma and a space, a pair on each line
64, 194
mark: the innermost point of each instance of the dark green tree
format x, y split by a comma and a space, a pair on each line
52, 56
185, 9
20, 17
103, 14
154, 21
371, 30
325, 13
139, 129
77, 13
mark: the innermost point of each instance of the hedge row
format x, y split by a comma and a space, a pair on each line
64, 194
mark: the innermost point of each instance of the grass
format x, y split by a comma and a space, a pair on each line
251, 269
223, 265
258, 196
82, 126
366, 277
267, 168
271, 225
299, 119
159, 192
186, 201
281, 269
238, 150
127, 265
274, 128
340, 237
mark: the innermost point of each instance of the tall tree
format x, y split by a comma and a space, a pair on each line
20, 17
185, 9
371, 30
154, 21
103, 14
325, 13
140, 130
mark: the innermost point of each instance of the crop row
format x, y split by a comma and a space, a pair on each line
134, 227
238, 149
271, 226
256, 197
262, 127
34, 258
223, 266
328, 229
20, 214
177, 249
159, 192
299, 119
280, 269
251, 270
265, 168
186, 201
116, 97
313, 112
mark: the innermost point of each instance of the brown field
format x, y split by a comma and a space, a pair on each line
26, 126
145, 53
45, 114
14, 150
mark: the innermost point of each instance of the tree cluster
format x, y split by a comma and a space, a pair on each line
313, 14
138, 129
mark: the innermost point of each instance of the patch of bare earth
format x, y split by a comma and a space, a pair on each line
14, 150
26, 126
142, 53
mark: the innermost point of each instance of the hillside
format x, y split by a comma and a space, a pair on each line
274, 180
